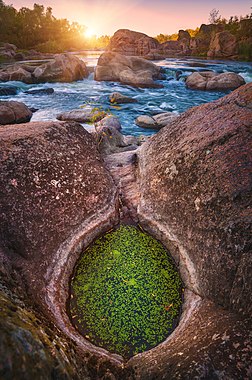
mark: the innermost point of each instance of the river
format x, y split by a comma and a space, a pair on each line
174, 96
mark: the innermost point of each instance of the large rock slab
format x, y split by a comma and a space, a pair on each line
195, 178
14, 112
128, 42
223, 45
52, 180
134, 71
56, 197
199, 45
207, 80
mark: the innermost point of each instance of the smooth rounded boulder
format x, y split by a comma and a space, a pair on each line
157, 121
129, 42
14, 113
118, 98
208, 80
196, 184
52, 179
85, 114
133, 71
64, 68
55, 195
195, 195
109, 121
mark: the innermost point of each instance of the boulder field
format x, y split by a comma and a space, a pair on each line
189, 186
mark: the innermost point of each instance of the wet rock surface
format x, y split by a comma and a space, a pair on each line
117, 98
208, 80
14, 113
157, 121
40, 91
6, 91
134, 71
84, 115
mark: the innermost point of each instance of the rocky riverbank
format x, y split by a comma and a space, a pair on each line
62, 68
211, 41
188, 186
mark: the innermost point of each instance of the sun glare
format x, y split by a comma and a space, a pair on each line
89, 33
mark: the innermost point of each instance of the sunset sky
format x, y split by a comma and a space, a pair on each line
151, 17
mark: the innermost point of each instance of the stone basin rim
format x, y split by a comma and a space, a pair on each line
59, 273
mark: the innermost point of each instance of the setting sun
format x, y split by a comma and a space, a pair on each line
89, 33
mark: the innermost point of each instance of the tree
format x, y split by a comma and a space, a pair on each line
161, 38
214, 16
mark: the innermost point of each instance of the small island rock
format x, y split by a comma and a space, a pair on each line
117, 98
86, 114
133, 71
207, 80
157, 121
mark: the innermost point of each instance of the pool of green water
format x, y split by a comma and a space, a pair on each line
126, 293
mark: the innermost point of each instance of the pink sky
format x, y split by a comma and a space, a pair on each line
151, 17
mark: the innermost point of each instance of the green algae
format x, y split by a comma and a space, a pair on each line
126, 292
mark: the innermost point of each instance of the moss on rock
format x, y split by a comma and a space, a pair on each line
126, 292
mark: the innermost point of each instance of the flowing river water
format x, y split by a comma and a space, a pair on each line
174, 96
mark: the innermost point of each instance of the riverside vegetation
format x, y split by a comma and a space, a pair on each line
39, 29
126, 292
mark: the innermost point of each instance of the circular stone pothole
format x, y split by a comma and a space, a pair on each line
126, 293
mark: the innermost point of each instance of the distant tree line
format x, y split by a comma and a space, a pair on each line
161, 38
241, 26
37, 28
